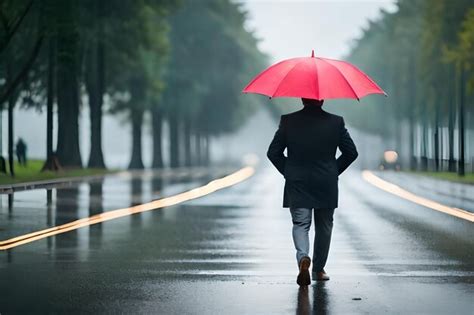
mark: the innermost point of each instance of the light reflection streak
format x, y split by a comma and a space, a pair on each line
207, 189
402, 193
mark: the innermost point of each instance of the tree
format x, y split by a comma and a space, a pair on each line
137, 83
411, 53
95, 80
18, 55
212, 56
67, 83
464, 58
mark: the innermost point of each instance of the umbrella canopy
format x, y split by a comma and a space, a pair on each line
315, 78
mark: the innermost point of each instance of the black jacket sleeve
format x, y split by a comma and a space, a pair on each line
347, 148
277, 147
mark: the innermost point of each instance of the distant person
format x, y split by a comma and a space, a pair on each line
311, 137
21, 152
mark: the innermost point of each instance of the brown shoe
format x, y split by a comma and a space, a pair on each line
320, 276
303, 276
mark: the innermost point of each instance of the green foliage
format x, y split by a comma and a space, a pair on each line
185, 58
412, 53
463, 52
21, 26
212, 57
138, 50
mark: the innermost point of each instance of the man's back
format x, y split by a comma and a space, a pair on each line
311, 137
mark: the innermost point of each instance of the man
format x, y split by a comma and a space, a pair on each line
21, 152
311, 137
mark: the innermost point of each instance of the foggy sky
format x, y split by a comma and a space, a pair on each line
291, 28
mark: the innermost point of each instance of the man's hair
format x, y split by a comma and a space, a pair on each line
312, 102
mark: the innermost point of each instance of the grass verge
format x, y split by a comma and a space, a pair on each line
452, 177
32, 172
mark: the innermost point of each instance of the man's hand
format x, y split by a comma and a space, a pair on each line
348, 149
277, 147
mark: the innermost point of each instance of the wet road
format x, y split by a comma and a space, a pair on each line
230, 252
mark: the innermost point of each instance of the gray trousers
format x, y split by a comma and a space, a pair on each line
323, 222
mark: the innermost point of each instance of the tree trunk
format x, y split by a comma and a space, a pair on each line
452, 162
411, 149
136, 161
95, 91
11, 158
50, 101
51, 162
424, 158
96, 158
436, 137
68, 151
451, 121
411, 85
441, 148
400, 147
461, 170
95, 84
174, 140
198, 148
11, 105
207, 150
187, 143
157, 121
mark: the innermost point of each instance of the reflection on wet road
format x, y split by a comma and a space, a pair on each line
407, 195
216, 184
230, 252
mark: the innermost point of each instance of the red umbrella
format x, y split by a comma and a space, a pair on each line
315, 78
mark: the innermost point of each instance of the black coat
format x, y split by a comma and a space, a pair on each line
311, 137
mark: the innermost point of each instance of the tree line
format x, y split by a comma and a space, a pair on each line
422, 55
181, 62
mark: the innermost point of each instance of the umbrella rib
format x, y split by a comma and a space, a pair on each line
283, 79
317, 77
345, 79
263, 72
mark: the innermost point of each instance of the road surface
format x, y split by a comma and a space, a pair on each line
230, 252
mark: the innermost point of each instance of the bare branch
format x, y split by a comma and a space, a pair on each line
24, 71
12, 29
